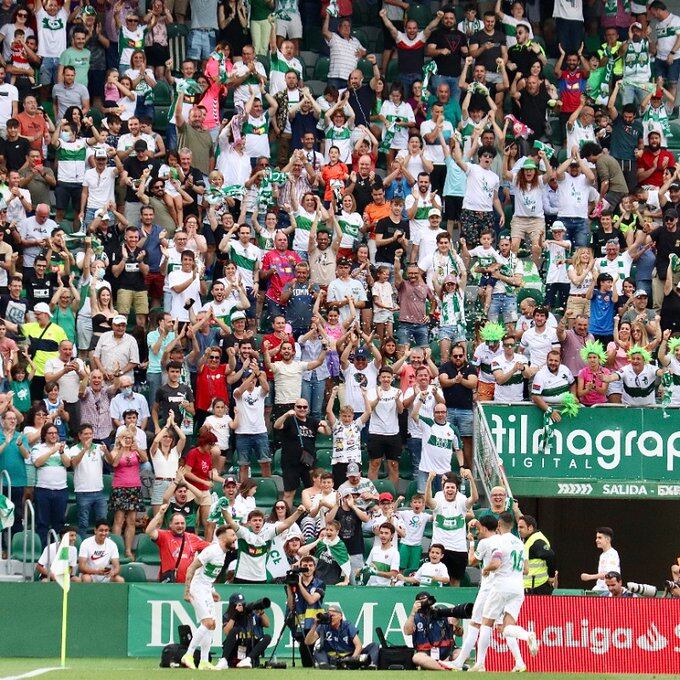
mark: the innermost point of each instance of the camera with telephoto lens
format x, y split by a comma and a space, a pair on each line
641, 589
258, 605
323, 617
292, 575
671, 585
460, 611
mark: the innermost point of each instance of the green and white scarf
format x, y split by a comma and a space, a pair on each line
338, 551
429, 70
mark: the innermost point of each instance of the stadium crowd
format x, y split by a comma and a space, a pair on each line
303, 248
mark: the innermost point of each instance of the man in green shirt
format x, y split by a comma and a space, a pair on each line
77, 56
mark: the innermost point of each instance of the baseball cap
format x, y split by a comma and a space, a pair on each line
353, 470
674, 187
42, 308
385, 496
346, 492
671, 213
344, 262
294, 537
362, 353
558, 225
640, 293
140, 145
118, 319
529, 164
435, 212
237, 598
238, 315
100, 153
229, 480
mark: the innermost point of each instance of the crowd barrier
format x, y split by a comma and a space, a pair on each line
577, 634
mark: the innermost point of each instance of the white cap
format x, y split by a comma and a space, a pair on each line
118, 319
558, 224
42, 308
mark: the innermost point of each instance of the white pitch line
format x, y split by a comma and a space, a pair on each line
32, 674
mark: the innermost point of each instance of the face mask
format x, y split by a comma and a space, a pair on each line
127, 391
65, 136
100, 273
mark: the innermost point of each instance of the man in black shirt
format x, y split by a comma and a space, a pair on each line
14, 150
488, 45
524, 53
298, 447
448, 46
530, 106
13, 307
130, 265
458, 381
360, 183
194, 184
41, 286
391, 232
133, 168
481, 87
362, 97
351, 519
173, 396
667, 241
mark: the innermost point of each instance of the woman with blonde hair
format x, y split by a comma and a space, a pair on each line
126, 493
580, 273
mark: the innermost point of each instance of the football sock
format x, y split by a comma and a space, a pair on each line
468, 645
483, 645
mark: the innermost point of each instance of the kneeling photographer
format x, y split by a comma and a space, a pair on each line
243, 625
339, 643
304, 600
433, 630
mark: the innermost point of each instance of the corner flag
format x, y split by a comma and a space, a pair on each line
60, 570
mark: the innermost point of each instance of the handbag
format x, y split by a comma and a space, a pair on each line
170, 576
33, 344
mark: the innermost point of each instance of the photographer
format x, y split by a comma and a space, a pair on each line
243, 625
339, 642
673, 586
433, 630
304, 600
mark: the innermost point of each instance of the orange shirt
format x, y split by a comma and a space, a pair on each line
374, 213
333, 172
30, 126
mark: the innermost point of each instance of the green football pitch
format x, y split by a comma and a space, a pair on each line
132, 669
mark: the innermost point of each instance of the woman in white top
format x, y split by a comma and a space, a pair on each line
277, 564
165, 455
580, 273
413, 156
397, 116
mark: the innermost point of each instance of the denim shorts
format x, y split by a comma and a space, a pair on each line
453, 333
461, 419
503, 305
201, 44
414, 334
252, 447
48, 70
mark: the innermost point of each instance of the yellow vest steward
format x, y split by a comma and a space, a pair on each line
538, 569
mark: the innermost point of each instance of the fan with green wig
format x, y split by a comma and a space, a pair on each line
493, 332
568, 407
636, 349
594, 347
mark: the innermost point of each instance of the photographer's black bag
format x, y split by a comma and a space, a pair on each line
394, 657
172, 654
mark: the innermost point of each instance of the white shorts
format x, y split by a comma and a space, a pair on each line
290, 29
382, 315
478, 608
202, 600
499, 603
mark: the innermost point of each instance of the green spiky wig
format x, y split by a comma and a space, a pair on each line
493, 332
593, 347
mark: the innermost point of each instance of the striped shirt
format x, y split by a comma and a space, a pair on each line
344, 58
278, 67
71, 157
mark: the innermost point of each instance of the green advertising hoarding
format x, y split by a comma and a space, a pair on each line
155, 611
600, 453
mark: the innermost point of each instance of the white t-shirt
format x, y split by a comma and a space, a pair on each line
480, 188
88, 474
572, 196
568, 9
427, 245
666, 32
354, 380
402, 113
552, 387
51, 33
434, 152
98, 556
420, 221
449, 522
511, 391
8, 95
69, 382
288, 380
426, 409
212, 562
439, 444
427, 570
609, 561
100, 187
537, 345
220, 427
52, 474
252, 552
528, 203
347, 442
384, 418
556, 259
192, 291
49, 554
484, 552
382, 560
251, 412
414, 523
638, 390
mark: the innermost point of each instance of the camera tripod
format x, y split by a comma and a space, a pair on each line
288, 624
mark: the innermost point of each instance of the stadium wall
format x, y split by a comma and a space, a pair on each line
577, 634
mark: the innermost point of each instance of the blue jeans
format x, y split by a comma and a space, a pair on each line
201, 44
87, 502
451, 81
503, 306
461, 420
415, 448
313, 391
50, 510
414, 334
171, 136
422, 482
578, 230
154, 380
407, 80
48, 70
252, 447
340, 83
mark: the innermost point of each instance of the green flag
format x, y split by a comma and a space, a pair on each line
6, 512
338, 551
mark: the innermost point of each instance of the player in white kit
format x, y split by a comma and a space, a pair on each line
487, 527
199, 590
506, 596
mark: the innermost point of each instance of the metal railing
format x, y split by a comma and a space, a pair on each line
52, 539
29, 520
5, 475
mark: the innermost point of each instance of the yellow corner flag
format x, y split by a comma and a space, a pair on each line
61, 571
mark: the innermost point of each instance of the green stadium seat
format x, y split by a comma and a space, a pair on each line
316, 87
421, 14
392, 73
309, 60
411, 490
147, 551
177, 43
405, 467
368, 545
524, 293
321, 68
311, 41
323, 459
162, 94
160, 118
674, 139
133, 573
267, 492
69, 483
17, 549
385, 485
118, 540
366, 68
361, 35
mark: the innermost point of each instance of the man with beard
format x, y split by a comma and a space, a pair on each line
571, 82
653, 161
530, 105
362, 96
626, 137
360, 183
278, 268
448, 47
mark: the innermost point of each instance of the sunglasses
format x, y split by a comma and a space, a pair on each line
23, 15
214, 356
303, 408
457, 356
